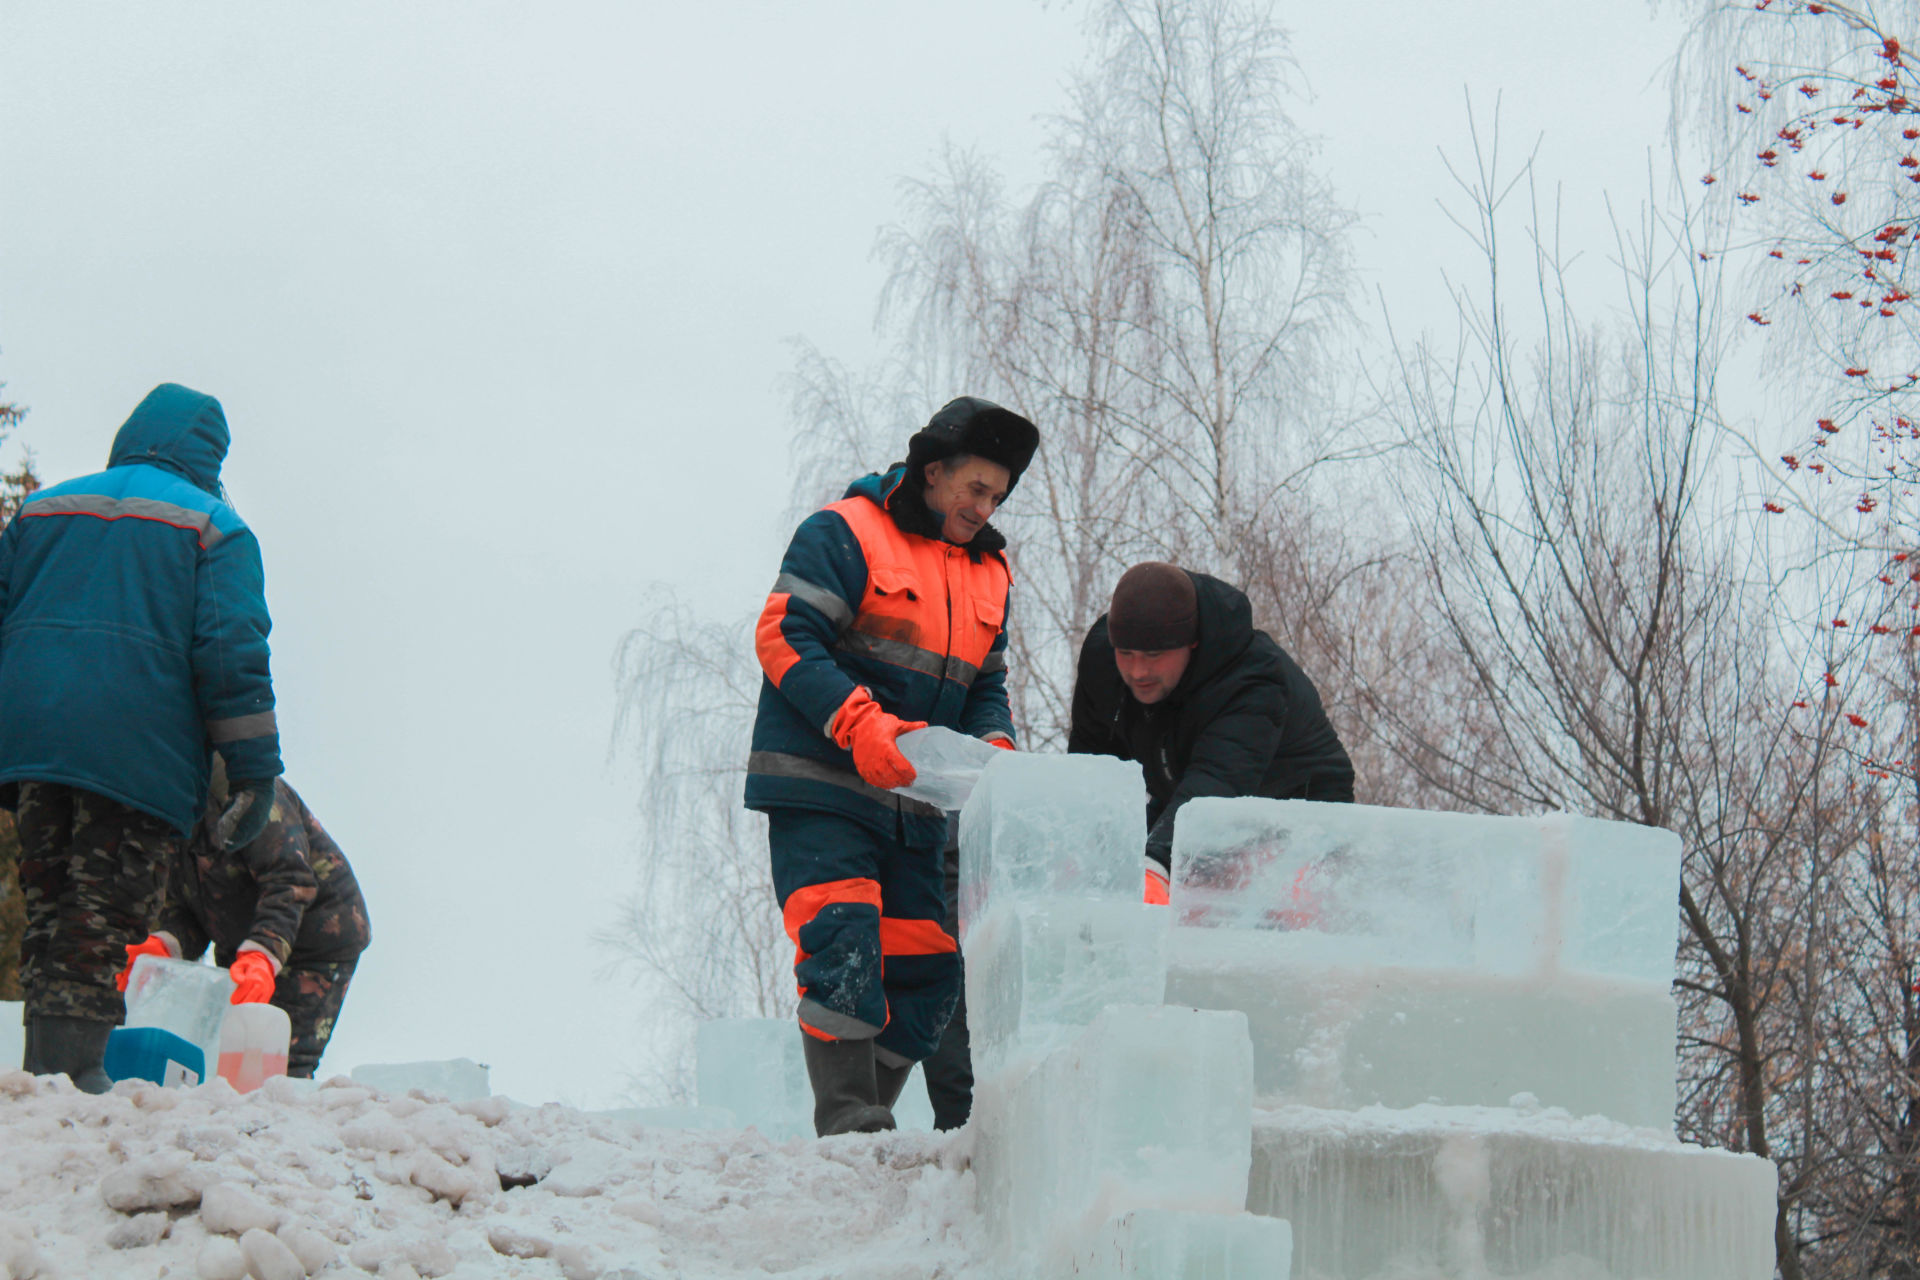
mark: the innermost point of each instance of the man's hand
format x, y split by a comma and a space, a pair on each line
153, 946
252, 974
867, 731
1003, 743
245, 817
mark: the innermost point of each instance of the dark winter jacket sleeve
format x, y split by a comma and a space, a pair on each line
278, 864
230, 657
1230, 757
988, 714
822, 578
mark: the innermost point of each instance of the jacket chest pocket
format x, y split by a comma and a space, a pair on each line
894, 607
973, 639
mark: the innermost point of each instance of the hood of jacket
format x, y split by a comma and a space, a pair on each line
906, 503
179, 430
1226, 629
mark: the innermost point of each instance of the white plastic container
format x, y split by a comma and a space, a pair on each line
253, 1045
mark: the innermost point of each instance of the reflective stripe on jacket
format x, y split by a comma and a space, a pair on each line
861, 601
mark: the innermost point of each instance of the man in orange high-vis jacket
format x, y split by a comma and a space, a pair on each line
889, 614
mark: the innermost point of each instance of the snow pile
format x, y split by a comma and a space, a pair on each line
342, 1180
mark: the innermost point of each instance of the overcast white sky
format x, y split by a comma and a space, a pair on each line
497, 298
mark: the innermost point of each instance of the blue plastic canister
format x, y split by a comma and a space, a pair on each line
148, 1053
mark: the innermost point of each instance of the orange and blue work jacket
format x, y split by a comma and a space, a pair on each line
916, 620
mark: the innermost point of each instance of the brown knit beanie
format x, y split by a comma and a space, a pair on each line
1154, 607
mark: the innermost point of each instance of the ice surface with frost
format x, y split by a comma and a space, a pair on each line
201, 1182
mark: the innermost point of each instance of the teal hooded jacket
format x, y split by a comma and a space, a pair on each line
133, 623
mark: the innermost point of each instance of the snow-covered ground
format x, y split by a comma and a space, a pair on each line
341, 1180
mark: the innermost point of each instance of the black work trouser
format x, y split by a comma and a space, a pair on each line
949, 1069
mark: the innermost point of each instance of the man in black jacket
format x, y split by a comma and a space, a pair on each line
1176, 677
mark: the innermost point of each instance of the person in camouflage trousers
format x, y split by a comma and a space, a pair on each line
94, 869
288, 899
133, 641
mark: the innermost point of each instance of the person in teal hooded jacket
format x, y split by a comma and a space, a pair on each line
133, 641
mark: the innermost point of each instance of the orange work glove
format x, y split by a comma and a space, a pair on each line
1001, 743
151, 947
252, 975
1154, 892
867, 731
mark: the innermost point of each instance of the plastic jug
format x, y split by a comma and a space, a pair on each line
150, 1053
253, 1045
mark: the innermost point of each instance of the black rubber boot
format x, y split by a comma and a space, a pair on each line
845, 1096
72, 1047
26, 1050
889, 1081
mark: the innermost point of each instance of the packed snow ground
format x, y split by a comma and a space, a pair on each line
341, 1180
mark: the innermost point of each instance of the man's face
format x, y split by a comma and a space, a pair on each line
965, 495
1151, 674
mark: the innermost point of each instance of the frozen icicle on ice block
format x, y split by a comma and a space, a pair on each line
1147, 1108
755, 1068
1051, 825
1168, 1244
1039, 969
947, 765
253, 1045
456, 1079
1397, 957
189, 999
1457, 1191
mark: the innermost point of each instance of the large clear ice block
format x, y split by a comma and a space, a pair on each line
455, 1079
757, 1069
1473, 1192
1039, 969
1376, 886
1147, 1109
1051, 825
181, 996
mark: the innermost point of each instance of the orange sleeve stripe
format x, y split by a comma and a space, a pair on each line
777, 657
805, 903
915, 938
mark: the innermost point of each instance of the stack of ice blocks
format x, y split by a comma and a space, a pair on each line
1112, 1133
1433, 998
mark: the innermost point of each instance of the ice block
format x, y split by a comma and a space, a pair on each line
182, 996
455, 1079
1376, 886
1040, 969
1469, 1192
754, 1068
1051, 825
947, 765
1169, 1244
1147, 1108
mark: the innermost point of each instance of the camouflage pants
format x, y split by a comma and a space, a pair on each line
311, 995
92, 875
